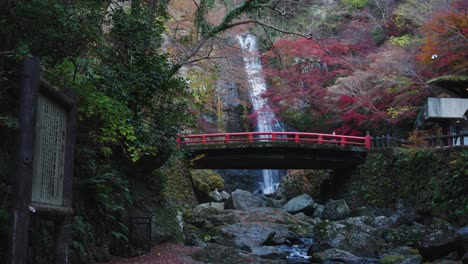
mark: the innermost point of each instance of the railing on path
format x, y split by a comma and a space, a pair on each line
427, 142
387, 142
296, 137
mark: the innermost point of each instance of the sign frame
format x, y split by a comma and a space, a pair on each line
22, 206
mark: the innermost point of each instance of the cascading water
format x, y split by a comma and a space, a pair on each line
266, 119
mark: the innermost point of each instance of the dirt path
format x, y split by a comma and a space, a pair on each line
165, 253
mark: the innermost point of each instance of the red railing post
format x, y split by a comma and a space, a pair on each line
320, 139
203, 138
250, 137
273, 137
178, 140
367, 141
226, 138
296, 138
343, 141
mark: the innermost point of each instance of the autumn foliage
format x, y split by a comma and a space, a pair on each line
445, 48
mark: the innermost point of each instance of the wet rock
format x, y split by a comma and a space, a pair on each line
436, 247
407, 219
340, 256
336, 210
214, 253
193, 239
352, 235
269, 240
402, 255
302, 203
255, 225
381, 221
268, 252
274, 203
215, 195
318, 247
254, 233
360, 211
462, 240
217, 206
222, 219
243, 200
224, 195
239, 179
318, 213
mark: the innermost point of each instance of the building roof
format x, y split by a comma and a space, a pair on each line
454, 85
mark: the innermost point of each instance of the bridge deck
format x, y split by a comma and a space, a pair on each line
274, 150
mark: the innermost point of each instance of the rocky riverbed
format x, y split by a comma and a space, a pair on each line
251, 228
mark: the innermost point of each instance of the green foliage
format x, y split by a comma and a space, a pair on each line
418, 173
53, 30
173, 182
83, 235
375, 185
359, 4
402, 41
435, 181
452, 195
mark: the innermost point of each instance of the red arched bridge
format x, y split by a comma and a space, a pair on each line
274, 150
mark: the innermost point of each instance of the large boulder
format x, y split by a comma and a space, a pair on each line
336, 210
434, 248
353, 235
242, 200
264, 226
302, 203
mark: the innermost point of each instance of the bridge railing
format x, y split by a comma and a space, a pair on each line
439, 141
297, 137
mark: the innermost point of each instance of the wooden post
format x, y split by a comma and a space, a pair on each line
250, 137
20, 214
343, 141
296, 138
367, 141
320, 139
388, 141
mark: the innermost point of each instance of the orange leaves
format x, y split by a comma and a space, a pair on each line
445, 46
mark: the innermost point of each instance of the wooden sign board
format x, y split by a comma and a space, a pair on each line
49, 152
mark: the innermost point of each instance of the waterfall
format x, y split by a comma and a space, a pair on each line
266, 119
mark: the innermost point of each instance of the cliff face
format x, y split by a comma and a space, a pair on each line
217, 78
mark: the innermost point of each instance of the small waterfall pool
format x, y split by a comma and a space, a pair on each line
298, 253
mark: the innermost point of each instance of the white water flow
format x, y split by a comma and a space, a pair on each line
266, 119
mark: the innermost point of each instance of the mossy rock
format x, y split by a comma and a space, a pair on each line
298, 182
392, 259
206, 181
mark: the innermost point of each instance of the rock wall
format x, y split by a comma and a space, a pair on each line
432, 181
